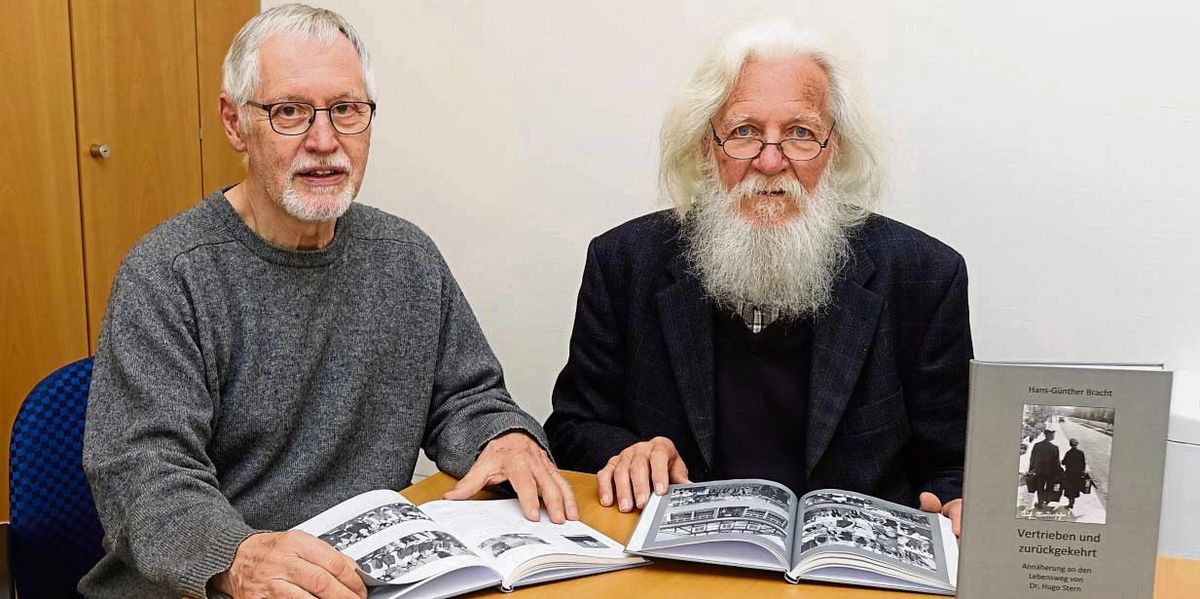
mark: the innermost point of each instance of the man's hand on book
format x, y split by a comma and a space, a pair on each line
630, 474
515, 457
290, 564
951, 510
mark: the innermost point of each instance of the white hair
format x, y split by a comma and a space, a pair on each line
856, 170
240, 71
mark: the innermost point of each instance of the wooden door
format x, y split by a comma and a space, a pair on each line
147, 80
43, 324
140, 76
136, 93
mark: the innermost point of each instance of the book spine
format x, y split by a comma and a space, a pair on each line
964, 536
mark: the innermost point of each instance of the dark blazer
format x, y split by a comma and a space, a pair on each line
888, 390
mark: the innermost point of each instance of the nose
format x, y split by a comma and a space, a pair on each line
321, 137
770, 161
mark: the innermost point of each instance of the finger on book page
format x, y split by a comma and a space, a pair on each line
640, 474
551, 494
622, 483
604, 482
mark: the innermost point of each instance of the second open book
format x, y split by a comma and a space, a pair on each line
826, 535
446, 548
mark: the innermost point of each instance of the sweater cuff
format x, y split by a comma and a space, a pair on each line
458, 460
217, 557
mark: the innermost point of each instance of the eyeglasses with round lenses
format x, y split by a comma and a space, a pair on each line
748, 148
295, 118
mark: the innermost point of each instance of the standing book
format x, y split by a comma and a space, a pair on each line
1063, 480
826, 535
447, 548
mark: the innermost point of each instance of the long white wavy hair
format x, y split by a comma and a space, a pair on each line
857, 170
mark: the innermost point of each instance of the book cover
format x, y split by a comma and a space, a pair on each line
1063, 480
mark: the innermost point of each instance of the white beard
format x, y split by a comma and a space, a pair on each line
325, 204
790, 267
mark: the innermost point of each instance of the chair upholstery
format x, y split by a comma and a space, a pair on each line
55, 535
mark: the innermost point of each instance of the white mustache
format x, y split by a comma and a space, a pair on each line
756, 183
339, 162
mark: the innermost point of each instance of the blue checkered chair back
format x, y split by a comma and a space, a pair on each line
55, 535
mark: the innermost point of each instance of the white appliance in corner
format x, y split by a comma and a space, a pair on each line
1179, 526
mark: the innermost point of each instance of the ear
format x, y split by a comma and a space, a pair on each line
231, 122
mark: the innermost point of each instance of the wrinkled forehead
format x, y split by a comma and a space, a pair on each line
293, 63
794, 85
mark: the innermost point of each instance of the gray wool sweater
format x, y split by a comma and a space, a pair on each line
241, 387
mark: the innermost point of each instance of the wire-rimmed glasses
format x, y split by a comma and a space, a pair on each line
748, 148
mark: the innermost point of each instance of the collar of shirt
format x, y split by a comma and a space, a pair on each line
755, 318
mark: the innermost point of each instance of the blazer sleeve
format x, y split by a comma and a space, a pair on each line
938, 404
586, 425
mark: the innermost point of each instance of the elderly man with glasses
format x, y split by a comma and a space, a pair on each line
771, 325
277, 349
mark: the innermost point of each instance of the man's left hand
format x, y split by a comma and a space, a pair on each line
515, 457
951, 510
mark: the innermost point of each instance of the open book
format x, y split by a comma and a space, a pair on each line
826, 535
446, 548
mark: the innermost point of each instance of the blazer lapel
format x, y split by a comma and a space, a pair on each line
841, 339
687, 326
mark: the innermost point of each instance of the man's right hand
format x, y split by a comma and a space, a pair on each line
290, 564
630, 475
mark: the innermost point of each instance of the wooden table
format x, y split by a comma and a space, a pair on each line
1176, 578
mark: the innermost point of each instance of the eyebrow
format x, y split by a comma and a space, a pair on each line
806, 119
346, 95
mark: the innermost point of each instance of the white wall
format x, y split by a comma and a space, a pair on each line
1054, 144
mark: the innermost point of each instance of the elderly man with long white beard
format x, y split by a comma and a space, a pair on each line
771, 325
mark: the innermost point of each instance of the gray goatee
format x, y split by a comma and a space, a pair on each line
789, 267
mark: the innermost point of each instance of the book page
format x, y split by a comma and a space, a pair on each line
498, 531
871, 533
750, 510
392, 540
